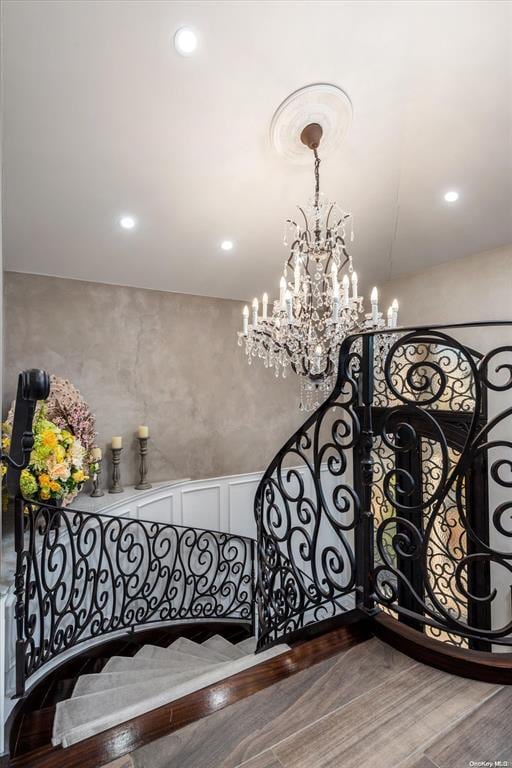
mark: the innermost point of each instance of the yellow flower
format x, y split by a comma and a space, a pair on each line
78, 476
28, 483
59, 454
44, 480
45, 494
49, 439
55, 487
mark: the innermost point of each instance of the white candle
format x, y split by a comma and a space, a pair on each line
289, 307
375, 305
390, 317
117, 442
394, 307
264, 302
354, 285
318, 357
96, 454
282, 291
346, 284
334, 278
245, 320
143, 431
296, 277
255, 306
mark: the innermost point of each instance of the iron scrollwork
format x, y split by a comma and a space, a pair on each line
306, 511
424, 430
88, 574
430, 381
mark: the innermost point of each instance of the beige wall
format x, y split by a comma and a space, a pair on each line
147, 357
476, 287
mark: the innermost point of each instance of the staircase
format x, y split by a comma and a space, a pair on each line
128, 686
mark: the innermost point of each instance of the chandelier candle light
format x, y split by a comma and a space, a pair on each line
319, 304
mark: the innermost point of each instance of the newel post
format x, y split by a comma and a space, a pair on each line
364, 528
33, 385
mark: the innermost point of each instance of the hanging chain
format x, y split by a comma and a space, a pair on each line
317, 177
317, 196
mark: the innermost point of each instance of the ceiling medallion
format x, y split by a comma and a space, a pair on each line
319, 304
320, 103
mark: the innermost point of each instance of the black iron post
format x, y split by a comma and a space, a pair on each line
363, 455
33, 385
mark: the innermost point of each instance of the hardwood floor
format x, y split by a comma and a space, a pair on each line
489, 667
486, 735
31, 747
335, 701
369, 705
32, 720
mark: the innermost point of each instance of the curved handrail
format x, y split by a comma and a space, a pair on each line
83, 575
407, 583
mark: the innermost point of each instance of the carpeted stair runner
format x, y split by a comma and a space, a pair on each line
129, 686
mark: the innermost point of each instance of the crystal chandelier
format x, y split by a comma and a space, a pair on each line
319, 304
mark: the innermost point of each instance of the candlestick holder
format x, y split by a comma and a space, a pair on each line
116, 486
95, 470
143, 469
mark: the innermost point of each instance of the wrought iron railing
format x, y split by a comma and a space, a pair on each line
403, 500
393, 496
81, 575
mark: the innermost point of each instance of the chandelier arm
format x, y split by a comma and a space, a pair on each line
306, 225
329, 216
285, 346
341, 241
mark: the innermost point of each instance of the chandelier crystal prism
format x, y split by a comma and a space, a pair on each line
319, 303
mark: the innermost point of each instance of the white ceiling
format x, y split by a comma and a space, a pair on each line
103, 117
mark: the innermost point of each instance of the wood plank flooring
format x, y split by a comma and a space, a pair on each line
486, 735
124, 739
369, 705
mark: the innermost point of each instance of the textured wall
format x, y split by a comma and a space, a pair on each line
476, 287
147, 357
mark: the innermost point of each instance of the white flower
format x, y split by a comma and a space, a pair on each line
77, 454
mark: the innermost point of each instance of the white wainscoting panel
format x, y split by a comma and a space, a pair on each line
240, 511
158, 509
201, 506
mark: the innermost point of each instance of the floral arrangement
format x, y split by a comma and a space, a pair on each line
67, 409
64, 433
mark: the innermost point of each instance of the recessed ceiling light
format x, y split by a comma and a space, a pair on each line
127, 222
451, 196
227, 245
185, 41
